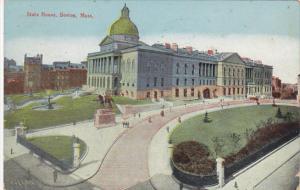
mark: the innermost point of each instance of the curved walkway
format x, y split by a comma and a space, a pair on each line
126, 164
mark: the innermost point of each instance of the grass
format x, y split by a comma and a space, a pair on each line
78, 109
224, 123
19, 98
58, 146
124, 100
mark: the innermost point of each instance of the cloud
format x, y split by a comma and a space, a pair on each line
279, 51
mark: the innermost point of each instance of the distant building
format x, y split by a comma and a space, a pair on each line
289, 91
128, 67
298, 89
37, 76
33, 70
13, 77
14, 82
276, 87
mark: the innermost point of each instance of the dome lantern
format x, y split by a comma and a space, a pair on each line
125, 11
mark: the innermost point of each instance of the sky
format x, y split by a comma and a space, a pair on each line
262, 30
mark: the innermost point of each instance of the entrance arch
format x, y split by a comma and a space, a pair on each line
206, 93
155, 94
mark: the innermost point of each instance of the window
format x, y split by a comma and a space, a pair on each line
193, 69
177, 81
161, 93
162, 82
185, 82
185, 69
193, 81
199, 82
177, 68
155, 81
148, 95
147, 82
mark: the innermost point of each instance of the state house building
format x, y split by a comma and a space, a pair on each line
129, 67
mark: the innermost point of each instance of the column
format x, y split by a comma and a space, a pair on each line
76, 153
101, 65
112, 65
220, 172
109, 65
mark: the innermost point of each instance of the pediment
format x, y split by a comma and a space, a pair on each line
234, 58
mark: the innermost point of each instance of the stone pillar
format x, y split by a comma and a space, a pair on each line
220, 172
20, 130
298, 87
112, 64
76, 153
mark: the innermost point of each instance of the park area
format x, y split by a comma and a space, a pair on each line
229, 133
127, 101
58, 146
72, 110
21, 98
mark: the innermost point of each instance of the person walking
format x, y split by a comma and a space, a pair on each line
168, 129
54, 176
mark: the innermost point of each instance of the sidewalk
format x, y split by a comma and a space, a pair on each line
98, 143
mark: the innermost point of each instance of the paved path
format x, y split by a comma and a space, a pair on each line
259, 177
127, 162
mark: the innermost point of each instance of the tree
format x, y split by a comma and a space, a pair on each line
279, 114
218, 144
206, 118
288, 116
249, 134
235, 138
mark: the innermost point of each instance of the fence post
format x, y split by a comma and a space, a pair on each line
220, 172
76, 154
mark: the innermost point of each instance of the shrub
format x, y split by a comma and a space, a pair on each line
279, 114
193, 157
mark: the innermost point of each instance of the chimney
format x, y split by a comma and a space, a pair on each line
167, 45
210, 52
174, 47
189, 49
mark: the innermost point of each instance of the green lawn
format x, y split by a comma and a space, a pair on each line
78, 109
19, 98
224, 123
124, 100
58, 146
